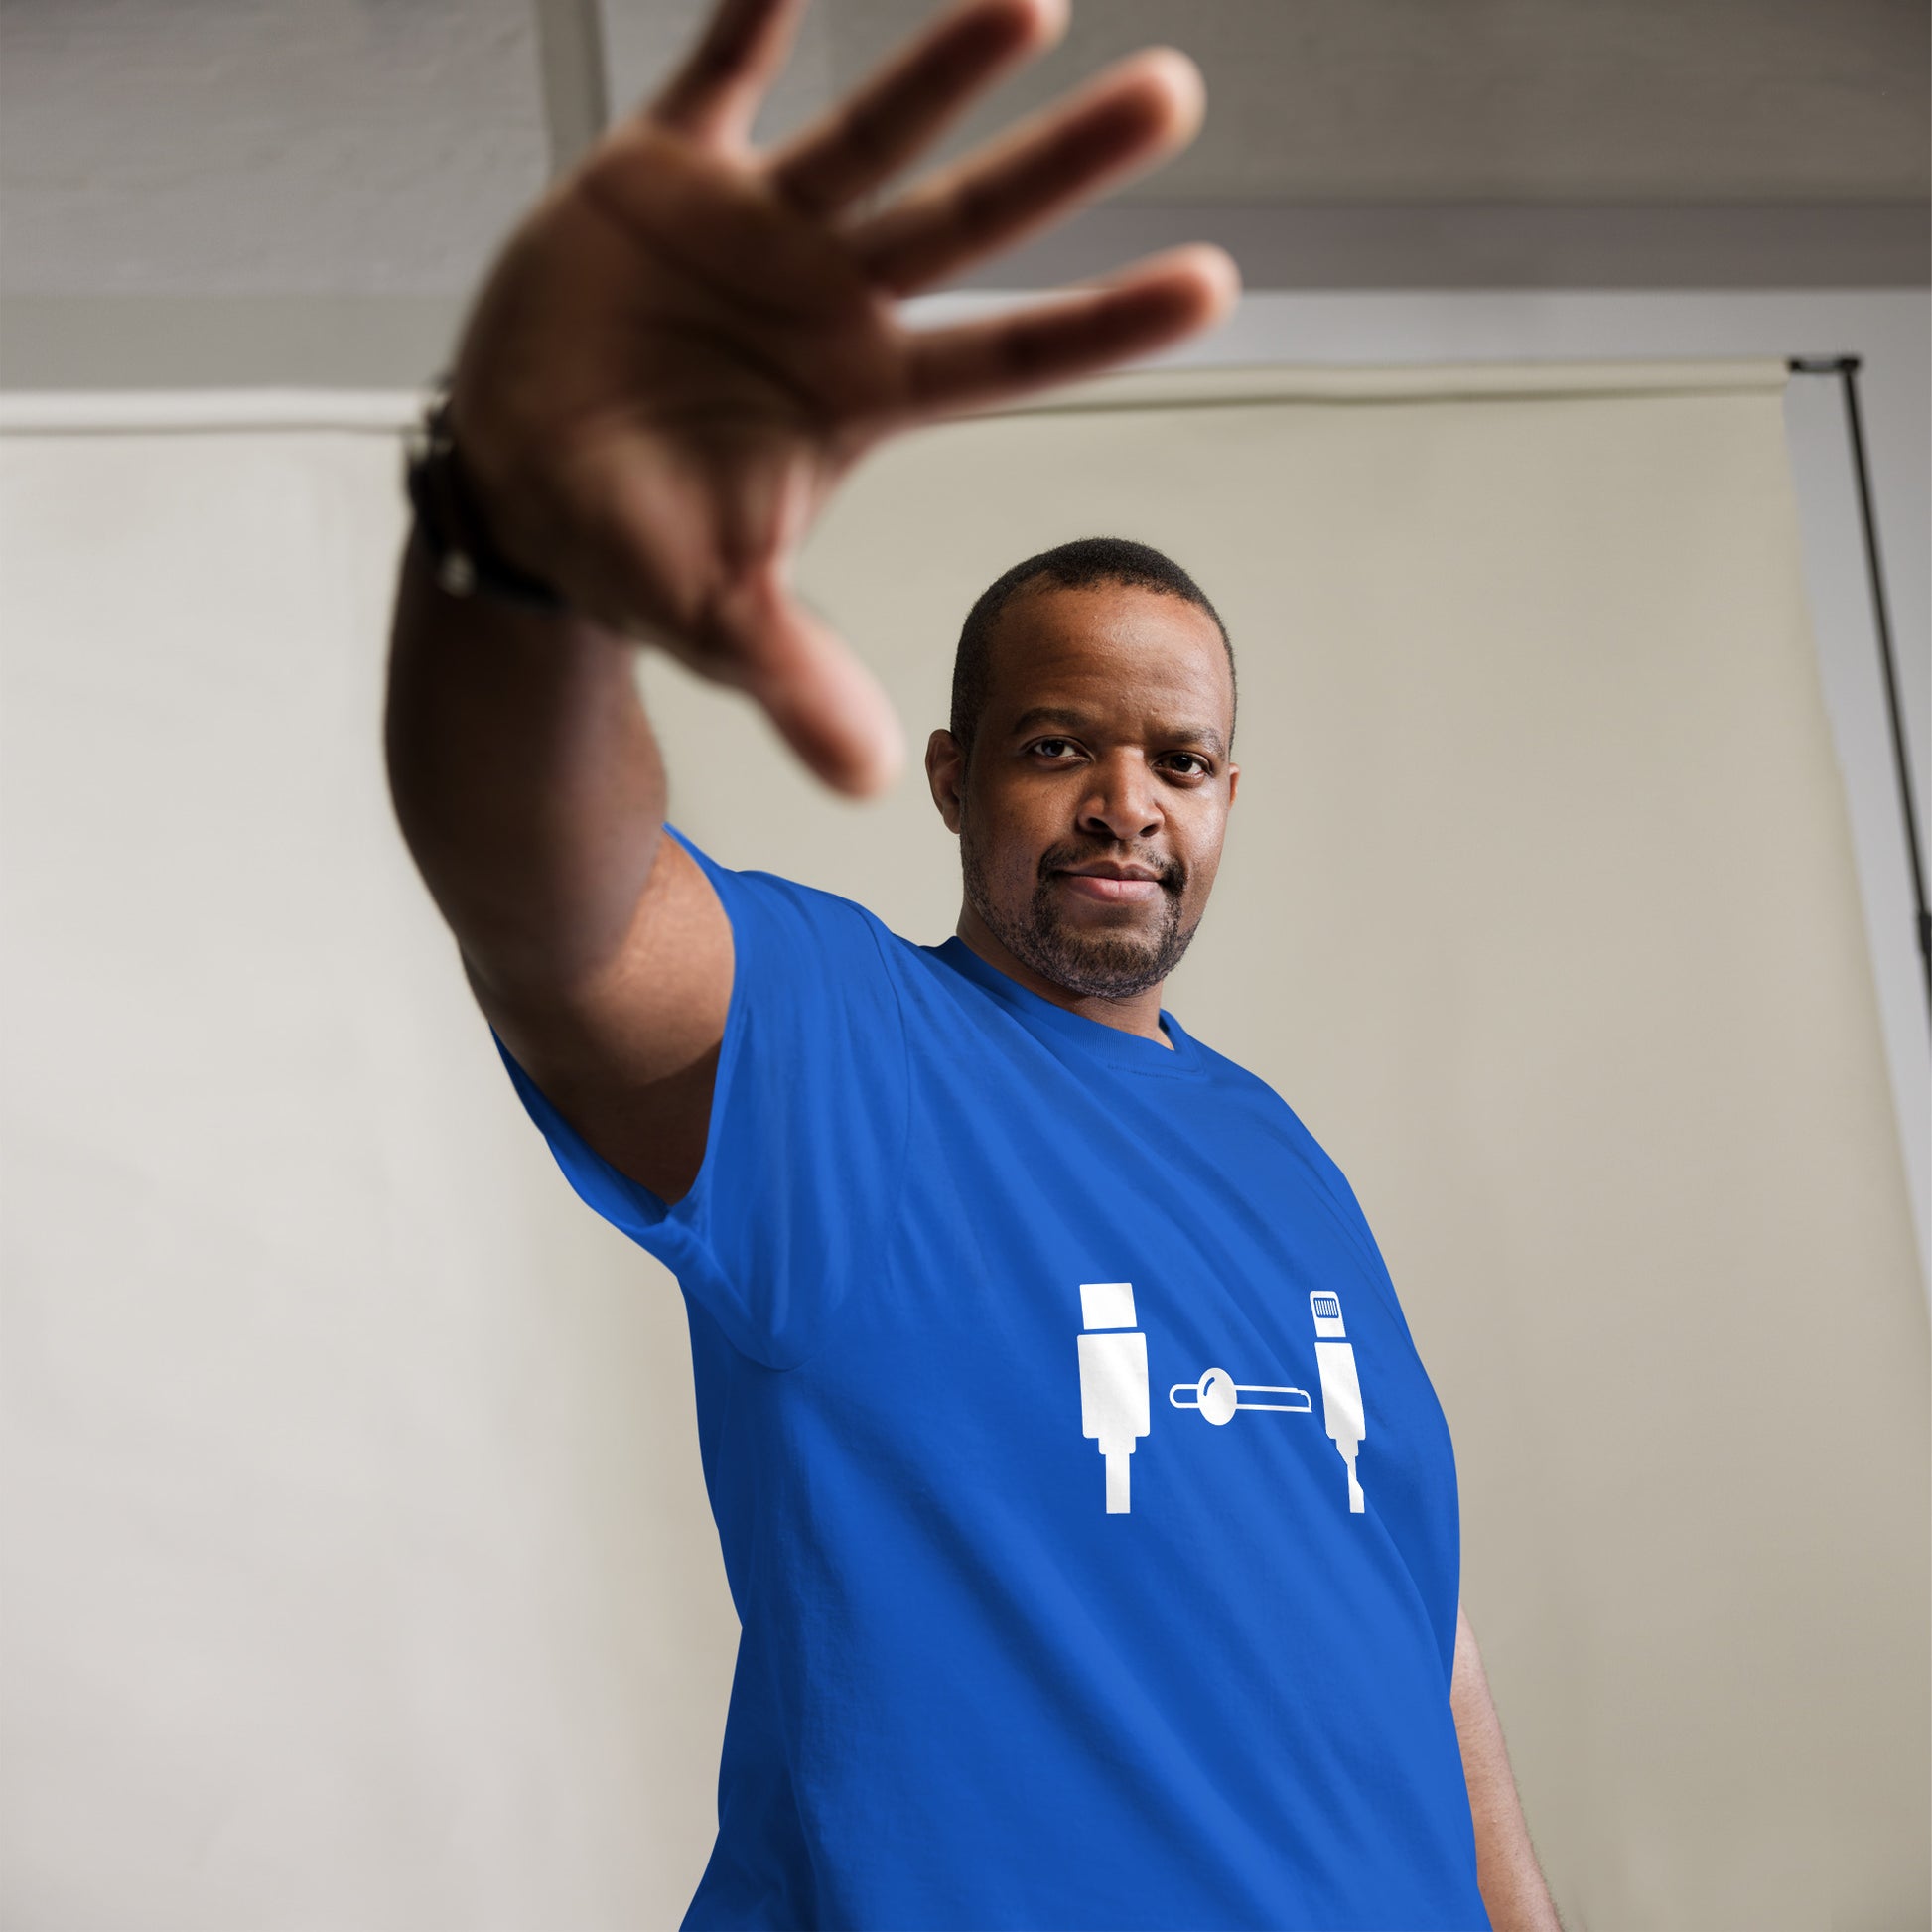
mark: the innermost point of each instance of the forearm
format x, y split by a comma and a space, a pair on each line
526, 775
1507, 1873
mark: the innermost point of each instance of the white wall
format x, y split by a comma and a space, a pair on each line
355, 1558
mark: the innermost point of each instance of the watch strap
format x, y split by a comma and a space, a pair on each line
465, 560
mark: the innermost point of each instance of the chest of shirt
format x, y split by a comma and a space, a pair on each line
1130, 1317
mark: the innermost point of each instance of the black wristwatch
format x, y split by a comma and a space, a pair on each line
467, 563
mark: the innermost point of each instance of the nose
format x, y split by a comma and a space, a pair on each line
1123, 803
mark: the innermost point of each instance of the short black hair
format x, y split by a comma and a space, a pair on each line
1068, 566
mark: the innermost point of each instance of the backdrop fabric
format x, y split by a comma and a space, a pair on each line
355, 1545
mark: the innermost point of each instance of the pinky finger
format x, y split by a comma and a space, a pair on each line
1134, 311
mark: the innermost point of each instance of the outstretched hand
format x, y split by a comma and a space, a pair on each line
686, 344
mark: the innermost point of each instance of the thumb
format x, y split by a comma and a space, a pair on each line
827, 706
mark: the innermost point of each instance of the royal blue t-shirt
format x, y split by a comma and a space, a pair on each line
1089, 1515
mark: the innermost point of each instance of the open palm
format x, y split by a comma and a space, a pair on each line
686, 343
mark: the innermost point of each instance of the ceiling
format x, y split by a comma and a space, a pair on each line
1459, 101
366, 154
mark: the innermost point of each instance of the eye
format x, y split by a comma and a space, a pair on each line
1199, 766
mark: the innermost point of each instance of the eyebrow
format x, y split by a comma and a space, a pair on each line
1050, 714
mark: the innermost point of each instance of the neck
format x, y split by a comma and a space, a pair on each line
1137, 1012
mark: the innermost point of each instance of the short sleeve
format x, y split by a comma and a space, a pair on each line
807, 1137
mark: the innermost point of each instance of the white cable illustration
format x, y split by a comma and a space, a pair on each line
1217, 1395
1341, 1389
1114, 1387
1113, 1381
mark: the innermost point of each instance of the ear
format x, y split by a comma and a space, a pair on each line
945, 772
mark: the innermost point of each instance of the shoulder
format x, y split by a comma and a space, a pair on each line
810, 966
791, 904
1324, 1174
1267, 1103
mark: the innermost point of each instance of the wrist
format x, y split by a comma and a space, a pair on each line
449, 522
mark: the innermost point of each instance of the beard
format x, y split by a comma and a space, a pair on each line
1108, 963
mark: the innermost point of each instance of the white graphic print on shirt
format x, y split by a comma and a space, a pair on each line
1114, 1407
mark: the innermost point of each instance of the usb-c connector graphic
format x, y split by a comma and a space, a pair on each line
1113, 1381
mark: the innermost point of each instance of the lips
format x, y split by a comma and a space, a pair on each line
1109, 889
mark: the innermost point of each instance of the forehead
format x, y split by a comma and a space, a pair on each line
1107, 644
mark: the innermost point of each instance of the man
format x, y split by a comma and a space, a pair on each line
1090, 1519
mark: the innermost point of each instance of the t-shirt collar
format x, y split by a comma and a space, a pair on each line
1133, 1052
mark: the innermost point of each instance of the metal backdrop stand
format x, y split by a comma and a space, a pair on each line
1846, 367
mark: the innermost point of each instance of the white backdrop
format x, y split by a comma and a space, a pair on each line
357, 1568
